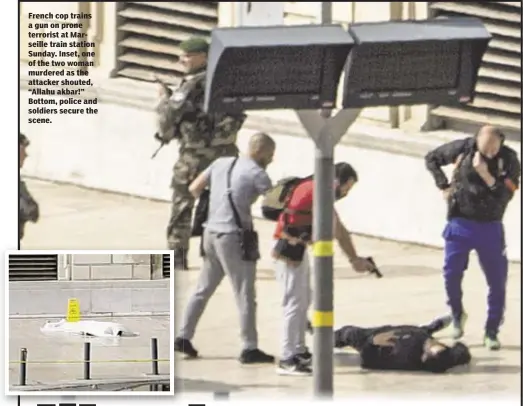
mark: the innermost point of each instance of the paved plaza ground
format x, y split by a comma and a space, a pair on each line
410, 292
107, 354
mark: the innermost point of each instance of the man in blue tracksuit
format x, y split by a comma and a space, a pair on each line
485, 178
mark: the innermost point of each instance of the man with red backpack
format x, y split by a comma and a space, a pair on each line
291, 204
486, 177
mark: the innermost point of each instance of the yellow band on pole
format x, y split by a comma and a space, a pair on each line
322, 319
323, 249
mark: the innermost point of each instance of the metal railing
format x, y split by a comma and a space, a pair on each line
154, 380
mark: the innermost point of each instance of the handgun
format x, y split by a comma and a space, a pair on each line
375, 269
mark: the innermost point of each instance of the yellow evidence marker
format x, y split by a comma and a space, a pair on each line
73, 310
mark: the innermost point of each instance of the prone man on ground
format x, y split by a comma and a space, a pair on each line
202, 139
403, 347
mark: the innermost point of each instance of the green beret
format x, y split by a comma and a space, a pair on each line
195, 45
22, 139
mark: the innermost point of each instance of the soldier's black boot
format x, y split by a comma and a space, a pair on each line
180, 259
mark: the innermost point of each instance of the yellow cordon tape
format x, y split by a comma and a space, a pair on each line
322, 319
323, 249
104, 361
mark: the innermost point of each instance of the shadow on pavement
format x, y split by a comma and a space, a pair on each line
479, 366
197, 385
346, 360
204, 357
503, 347
478, 369
477, 360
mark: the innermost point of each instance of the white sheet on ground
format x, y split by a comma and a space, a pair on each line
90, 328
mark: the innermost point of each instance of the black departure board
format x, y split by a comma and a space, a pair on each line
277, 67
431, 61
404, 67
292, 70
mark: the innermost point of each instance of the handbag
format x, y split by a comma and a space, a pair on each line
249, 242
289, 252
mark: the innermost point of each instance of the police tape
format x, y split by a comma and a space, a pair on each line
104, 361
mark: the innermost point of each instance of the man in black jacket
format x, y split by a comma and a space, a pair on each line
403, 348
486, 176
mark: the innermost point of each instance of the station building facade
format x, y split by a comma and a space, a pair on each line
135, 41
84, 267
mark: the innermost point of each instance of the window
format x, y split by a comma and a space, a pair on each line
166, 265
149, 34
32, 267
498, 90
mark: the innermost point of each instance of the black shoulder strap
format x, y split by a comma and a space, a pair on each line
237, 219
285, 209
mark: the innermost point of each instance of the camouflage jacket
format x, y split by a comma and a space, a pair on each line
181, 117
28, 209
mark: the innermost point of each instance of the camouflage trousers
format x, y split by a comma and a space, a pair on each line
180, 220
186, 169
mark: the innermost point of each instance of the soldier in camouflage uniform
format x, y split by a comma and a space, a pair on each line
202, 138
28, 208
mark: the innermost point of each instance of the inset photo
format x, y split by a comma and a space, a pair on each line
89, 321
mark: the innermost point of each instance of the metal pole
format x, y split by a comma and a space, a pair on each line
154, 361
87, 360
323, 263
154, 356
23, 367
323, 272
326, 133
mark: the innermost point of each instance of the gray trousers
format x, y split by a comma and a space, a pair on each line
223, 257
296, 286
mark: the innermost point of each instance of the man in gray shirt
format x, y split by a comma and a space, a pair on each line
222, 242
